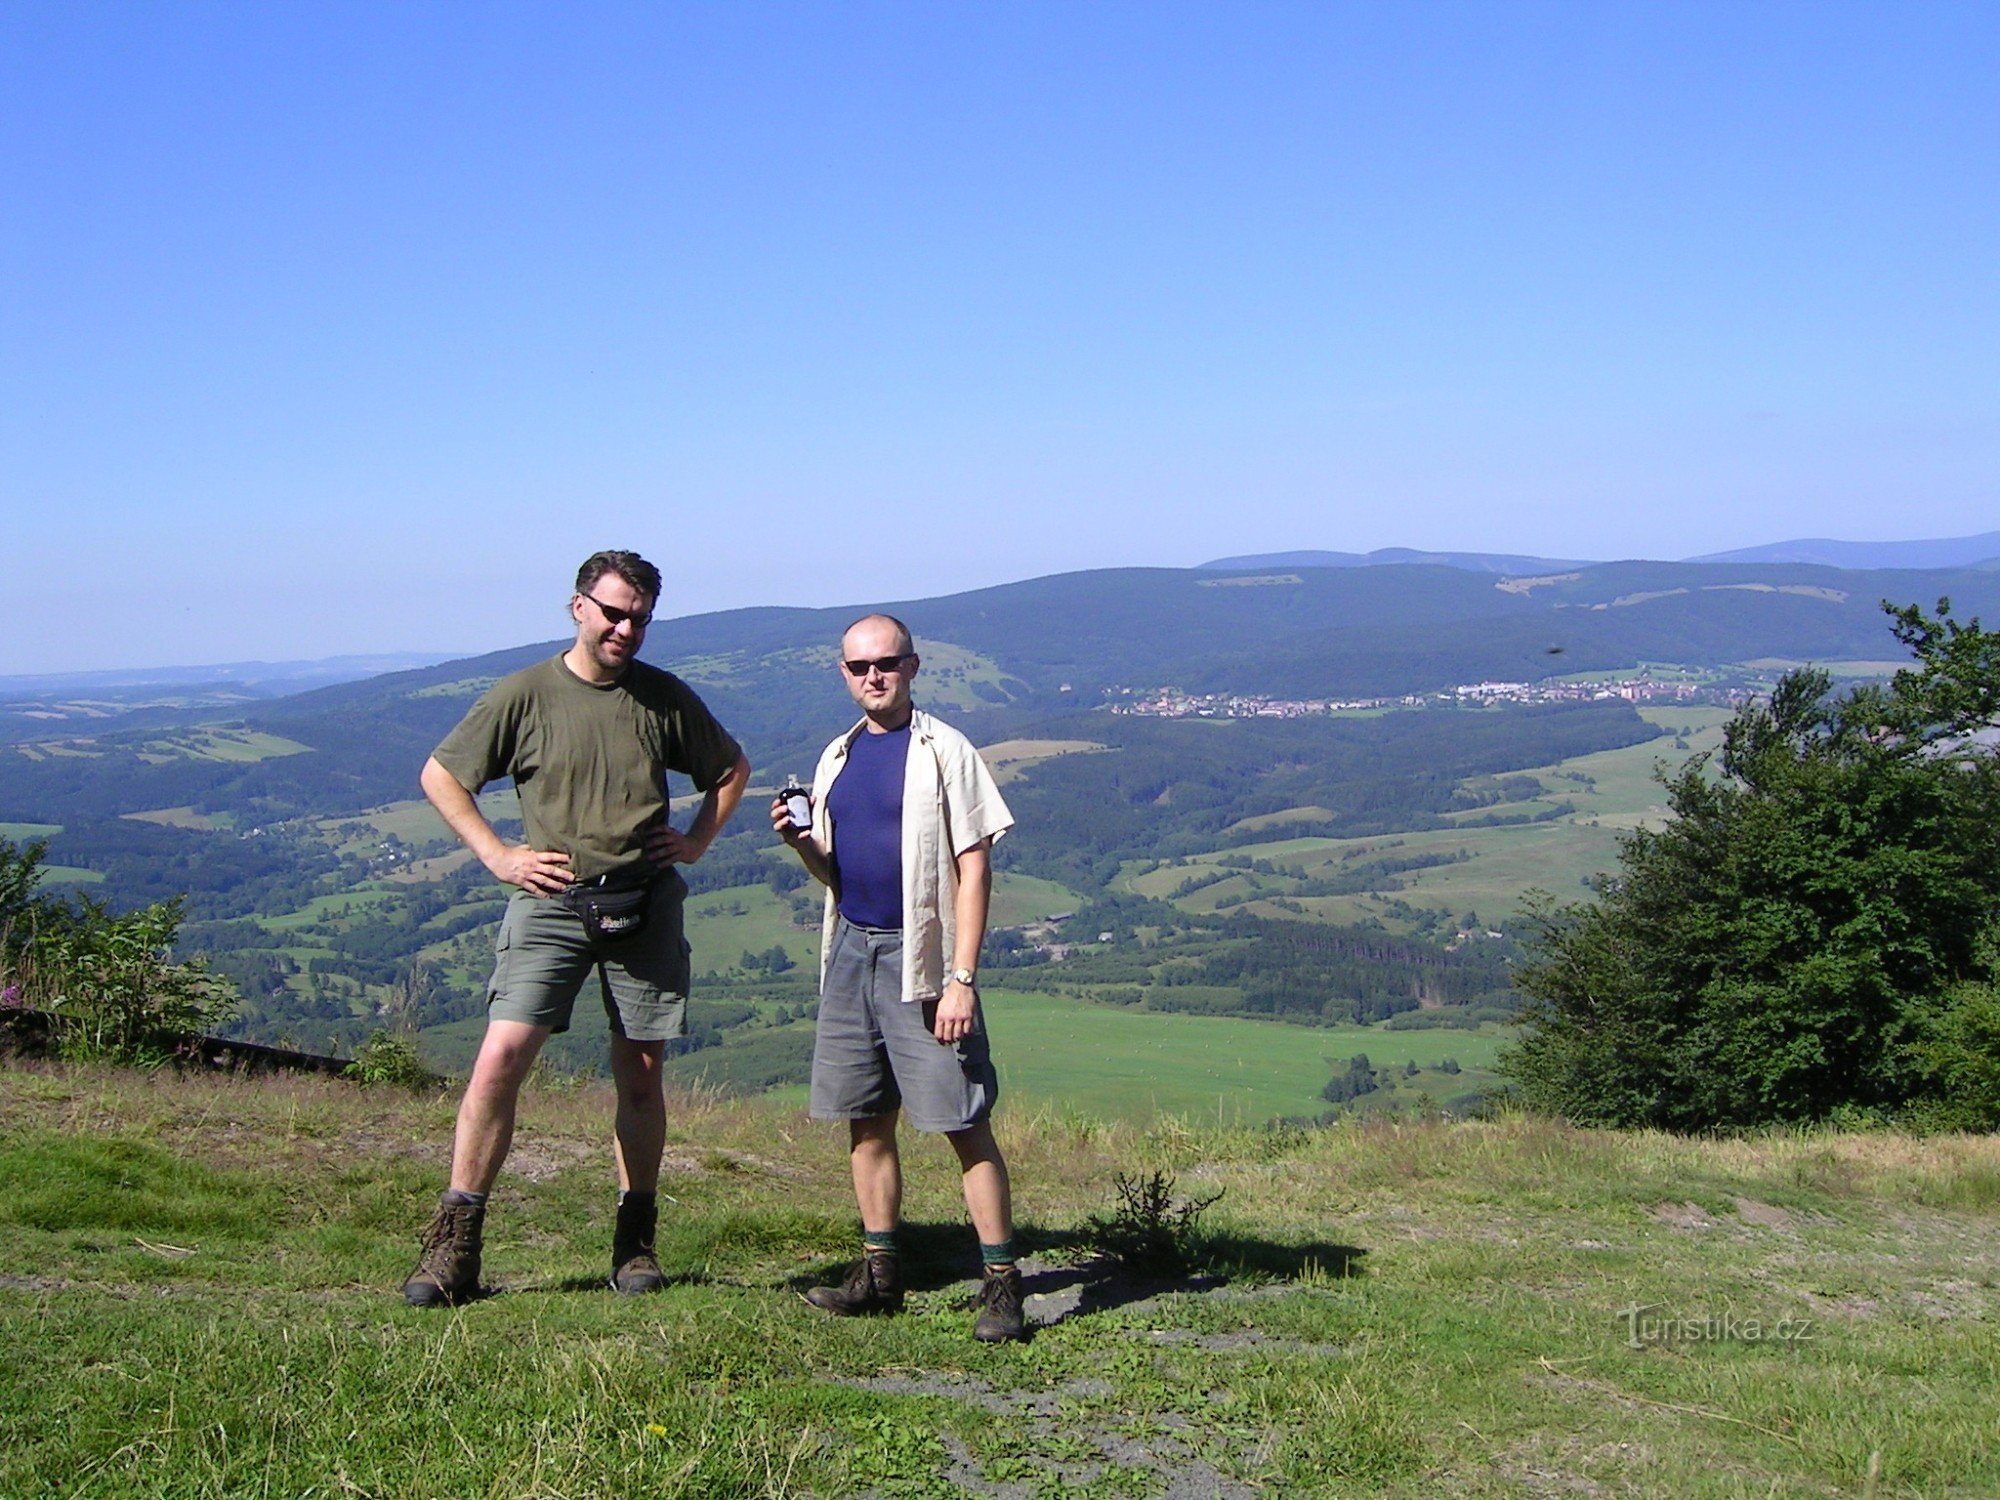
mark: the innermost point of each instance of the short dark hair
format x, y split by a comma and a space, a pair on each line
902, 631
630, 566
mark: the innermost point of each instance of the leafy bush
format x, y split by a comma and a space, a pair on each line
390, 1058
109, 981
1804, 937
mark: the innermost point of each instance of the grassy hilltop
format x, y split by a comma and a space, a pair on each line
197, 1299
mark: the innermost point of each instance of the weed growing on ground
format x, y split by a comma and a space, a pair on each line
1148, 1231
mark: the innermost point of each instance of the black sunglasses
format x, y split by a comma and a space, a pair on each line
615, 617
883, 664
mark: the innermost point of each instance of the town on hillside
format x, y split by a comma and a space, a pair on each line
1172, 703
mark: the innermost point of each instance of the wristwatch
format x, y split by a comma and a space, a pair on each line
962, 976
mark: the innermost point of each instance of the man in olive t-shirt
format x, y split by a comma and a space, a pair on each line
588, 738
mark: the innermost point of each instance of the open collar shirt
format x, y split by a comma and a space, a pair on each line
950, 804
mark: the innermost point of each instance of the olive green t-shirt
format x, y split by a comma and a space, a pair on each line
589, 762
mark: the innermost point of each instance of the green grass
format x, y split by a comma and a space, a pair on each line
1610, 792
1135, 1065
236, 746
723, 925
1023, 899
414, 822
20, 833
197, 1300
70, 875
346, 903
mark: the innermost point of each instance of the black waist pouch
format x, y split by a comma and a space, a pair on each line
610, 913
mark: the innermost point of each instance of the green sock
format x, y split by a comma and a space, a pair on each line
879, 1241
997, 1256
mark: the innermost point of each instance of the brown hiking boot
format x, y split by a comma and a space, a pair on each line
874, 1285
1000, 1319
634, 1267
448, 1266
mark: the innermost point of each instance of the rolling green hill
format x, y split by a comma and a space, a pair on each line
336, 900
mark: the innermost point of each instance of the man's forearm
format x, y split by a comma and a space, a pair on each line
719, 805
460, 811
970, 905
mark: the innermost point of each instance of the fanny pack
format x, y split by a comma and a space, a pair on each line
611, 912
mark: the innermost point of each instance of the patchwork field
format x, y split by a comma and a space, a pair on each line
1492, 867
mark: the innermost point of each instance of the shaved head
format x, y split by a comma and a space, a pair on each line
905, 643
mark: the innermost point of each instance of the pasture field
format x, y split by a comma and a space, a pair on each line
1009, 760
722, 925
1137, 1066
20, 833
1609, 792
240, 746
414, 821
198, 1299
180, 817
348, 903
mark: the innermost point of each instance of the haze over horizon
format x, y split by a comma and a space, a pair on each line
352, 328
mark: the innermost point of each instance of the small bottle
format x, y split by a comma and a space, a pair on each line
798, 804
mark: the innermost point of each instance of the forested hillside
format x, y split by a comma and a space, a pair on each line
338, 902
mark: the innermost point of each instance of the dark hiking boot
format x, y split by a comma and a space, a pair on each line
874, 1285
634, 1267
1000, 1319
448, 1266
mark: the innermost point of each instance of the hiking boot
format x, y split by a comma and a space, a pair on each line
448, 1266
999, 1319
874, 1285
634, 1267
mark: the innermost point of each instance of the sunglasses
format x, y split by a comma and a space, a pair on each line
886, 665
616, 617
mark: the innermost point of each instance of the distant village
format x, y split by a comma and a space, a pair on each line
1172, 703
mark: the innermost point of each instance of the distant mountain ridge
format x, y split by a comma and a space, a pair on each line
1981, 551
1476, 562
264, 679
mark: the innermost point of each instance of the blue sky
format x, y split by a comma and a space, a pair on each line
343, 328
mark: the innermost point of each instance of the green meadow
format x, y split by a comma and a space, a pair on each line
1584, 805
1137, 1066
198, 1301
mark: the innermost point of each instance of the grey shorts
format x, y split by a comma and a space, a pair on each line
874, 1054
543, 956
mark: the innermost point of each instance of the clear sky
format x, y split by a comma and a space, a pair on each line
332, 328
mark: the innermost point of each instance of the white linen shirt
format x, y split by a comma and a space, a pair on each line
950, 804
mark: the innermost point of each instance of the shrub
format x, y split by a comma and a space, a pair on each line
1149, 1232
389, 1058
1804, 937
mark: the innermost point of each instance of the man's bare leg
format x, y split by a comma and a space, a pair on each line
639, 1137
878, 1172
988, 1196
875, 1285
640, 1127
486, 1113
989, 1199
448, 1266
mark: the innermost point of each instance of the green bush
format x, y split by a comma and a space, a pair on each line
108, 981
388, 1057
1803, 938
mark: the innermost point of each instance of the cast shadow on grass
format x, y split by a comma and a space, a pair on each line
602, 1283
1098, 1283
1065, 1276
